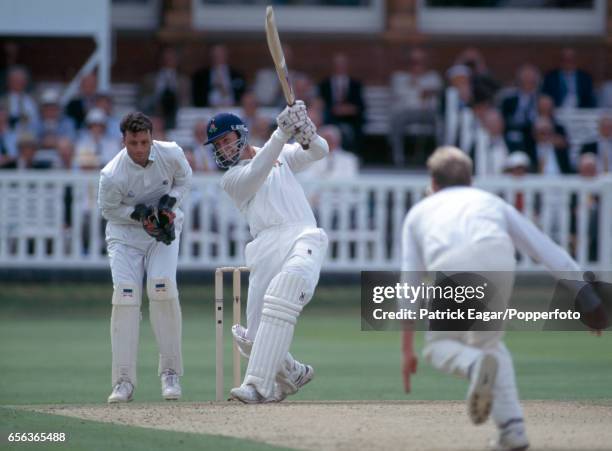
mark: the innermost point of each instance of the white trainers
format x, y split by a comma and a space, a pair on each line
303, 374
247, 394
480, 393
123, 391
289, 383
511, 437
171, 388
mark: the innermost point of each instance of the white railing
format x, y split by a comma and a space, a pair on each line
50, 220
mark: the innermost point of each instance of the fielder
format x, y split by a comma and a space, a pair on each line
141, 190
286, 254
459, 228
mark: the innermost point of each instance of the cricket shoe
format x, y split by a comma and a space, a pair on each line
248, 394
123, 391
480, 394
171, 388
512, 437
289, 382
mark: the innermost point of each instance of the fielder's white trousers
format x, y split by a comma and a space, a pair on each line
455, 351
128, 261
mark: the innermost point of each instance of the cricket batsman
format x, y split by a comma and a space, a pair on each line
288, 248
460, 228
140, 192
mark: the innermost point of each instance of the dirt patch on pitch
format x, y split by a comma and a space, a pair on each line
415, 425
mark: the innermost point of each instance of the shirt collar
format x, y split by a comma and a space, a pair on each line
152, 153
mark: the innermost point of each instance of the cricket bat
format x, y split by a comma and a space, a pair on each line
278, 56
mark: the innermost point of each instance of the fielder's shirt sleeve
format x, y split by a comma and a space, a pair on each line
182, 178
533, 242
411, 251
110, 202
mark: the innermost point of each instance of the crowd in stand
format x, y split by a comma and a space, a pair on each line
523, 132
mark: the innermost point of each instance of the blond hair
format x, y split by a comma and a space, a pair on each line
450, 166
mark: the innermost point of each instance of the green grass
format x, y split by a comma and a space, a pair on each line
95, 436
55, 349
50, 358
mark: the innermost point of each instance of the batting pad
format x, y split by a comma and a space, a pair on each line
282, 306
166, 320
125, 327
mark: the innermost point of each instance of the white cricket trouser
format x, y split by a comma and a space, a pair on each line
455, 351
128, 265
297, 249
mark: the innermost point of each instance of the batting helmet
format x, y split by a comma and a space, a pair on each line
220, 125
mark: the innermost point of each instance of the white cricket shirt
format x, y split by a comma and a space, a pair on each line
265, 188
124, 184
464, 216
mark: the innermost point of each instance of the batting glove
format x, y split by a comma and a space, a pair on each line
292, 117
306, 133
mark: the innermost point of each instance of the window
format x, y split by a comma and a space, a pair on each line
135, 14
324, 16
512, 17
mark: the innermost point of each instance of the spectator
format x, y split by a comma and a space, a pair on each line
266, 87
316, 111
602, 147
159, 128
8, 141
517, 165
588, 170
459, 78
344, 104
79, 106
304, 89
10, 59
21, 107
27, 147
546, 109
53, 122
551, 159
260, 131
339, 163
415, 94
520, 109
455, 107
219, 85
569, 86
104, 102
250, 109
492, 163
203, 156
167, 89
605, 95
94, 145
65, 153
484, 86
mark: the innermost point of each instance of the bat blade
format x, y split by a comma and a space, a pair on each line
278, 56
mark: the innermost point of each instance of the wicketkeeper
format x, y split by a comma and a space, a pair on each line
288, 249
141, 190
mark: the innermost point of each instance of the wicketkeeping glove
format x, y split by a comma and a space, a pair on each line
166, 216
145, 214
